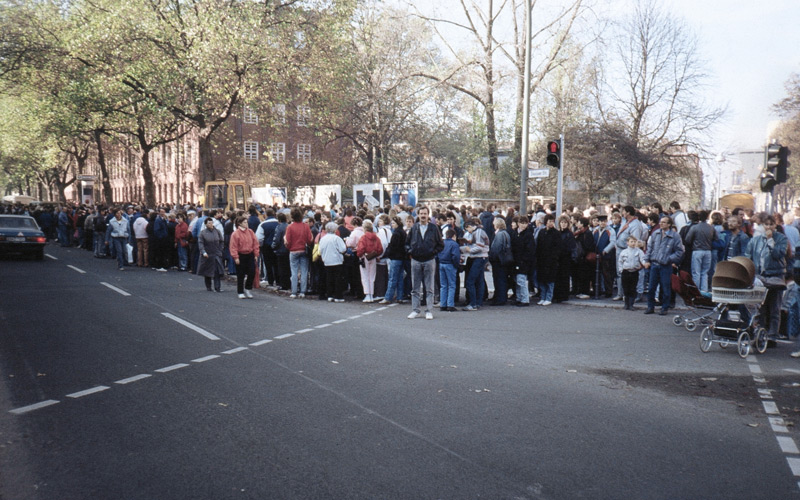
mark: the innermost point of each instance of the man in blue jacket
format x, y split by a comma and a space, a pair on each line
664, 249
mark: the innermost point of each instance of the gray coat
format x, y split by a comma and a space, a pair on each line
211, 243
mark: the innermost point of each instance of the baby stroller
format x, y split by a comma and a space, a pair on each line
702, 310
739, 324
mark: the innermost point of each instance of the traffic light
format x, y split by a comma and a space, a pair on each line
767, 181
783, 164
769, 176
554, 154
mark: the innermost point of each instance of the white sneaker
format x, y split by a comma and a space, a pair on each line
540, 302
330, 299
546, 303
248, 294
263, 284
384, 301
413, 315
583, 296
338, 301
367, 299
301, 296
428, 315
161, 270
292, 296
242, 296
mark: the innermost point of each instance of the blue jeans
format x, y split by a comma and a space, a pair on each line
701, 265
475, 282
119, 248
63, 236
226, 253
547, 291
447, 290
298, 263
395, 281
660, 275
183, 259
523, 297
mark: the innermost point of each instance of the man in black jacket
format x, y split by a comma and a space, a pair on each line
423, 245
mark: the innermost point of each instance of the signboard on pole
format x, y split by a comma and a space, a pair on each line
538, 173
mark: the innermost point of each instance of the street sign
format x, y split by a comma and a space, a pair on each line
539, 172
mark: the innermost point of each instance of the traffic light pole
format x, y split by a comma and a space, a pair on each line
559, 192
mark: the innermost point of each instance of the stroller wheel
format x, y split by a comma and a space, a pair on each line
761, 340
677, 320
744, 344
705, 339
690, 326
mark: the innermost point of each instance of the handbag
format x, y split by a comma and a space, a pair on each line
315, 253
591, 258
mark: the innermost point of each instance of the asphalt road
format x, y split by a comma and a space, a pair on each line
156, 388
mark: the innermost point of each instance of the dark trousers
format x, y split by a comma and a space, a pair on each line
246, 266
334, 285
500, 278
284, 275
660, 275
217, 284
607, 268
629, 281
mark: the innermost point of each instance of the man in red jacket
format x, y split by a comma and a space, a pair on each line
298, 235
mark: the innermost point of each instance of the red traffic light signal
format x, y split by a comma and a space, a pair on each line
554, 154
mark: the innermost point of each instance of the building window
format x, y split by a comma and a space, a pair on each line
304, 153
303, 113
249, 116
250, 150
278, 150
279, 110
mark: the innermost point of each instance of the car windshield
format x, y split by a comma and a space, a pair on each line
17, 222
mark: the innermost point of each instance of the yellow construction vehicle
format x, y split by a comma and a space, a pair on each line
226, 195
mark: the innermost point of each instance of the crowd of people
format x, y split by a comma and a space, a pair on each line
426, 255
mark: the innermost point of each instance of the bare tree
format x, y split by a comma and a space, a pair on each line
658, 98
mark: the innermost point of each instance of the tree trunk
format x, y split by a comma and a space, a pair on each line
147, 176
206, 153
108, 193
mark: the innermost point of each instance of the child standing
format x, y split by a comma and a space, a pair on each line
631, 261
448, 271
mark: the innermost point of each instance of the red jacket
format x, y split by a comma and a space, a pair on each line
369, 243
243, 242
182, 233
297, 236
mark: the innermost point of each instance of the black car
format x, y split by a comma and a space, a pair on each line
21, 234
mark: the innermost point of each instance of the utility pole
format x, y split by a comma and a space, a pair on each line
526, 99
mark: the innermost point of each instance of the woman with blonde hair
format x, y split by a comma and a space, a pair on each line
368, 250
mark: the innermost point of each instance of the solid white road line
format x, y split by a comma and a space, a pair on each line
205, 358
170, 368
132, 379
76, 269
787, 445
190, 326
26, 409
234, 351
284, 336
118, 290
339, 321
50, 256
80, 394
261, 342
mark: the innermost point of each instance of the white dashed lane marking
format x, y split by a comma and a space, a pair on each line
171, 368
50, 256
135, 378
284, 336
26, 409
234, 351
118, 290
205, 358
324, 325
787, 445
76, 269
305, 330
339, 321
190, 326
261, 342
93, 390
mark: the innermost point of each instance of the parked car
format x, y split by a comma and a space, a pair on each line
21, 234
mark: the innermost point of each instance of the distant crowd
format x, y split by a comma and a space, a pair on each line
429, 254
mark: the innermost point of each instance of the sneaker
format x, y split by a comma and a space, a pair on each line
428, 315
161, 270
649, 311
292, 296
121, 268
338, 301
413, 315
540, 302
218, 290
618, 298
795, 354
262, 284
242, 296
583, 296
470, 308
330, 299
248, 294
384, 301
367, 299
546, 303
301, 296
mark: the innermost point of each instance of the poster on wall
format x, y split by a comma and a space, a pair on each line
402, 193
278, 195
360, 191
325, 195
304, 195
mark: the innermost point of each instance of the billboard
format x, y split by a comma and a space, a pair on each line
404, 193
327, 195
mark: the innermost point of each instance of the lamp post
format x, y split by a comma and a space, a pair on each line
720, 159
